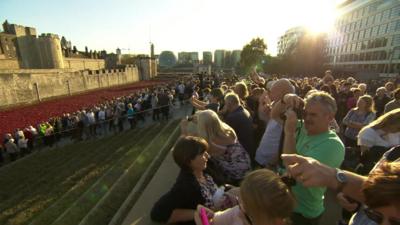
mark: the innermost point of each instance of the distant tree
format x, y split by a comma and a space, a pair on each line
74, 49
252, 54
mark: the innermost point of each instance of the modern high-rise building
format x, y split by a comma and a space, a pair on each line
366, 37
228, 61
291, 37
207, 58
219, 58
235, 57
194, 57
184, 57
188, 57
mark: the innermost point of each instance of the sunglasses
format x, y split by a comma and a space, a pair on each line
378, 218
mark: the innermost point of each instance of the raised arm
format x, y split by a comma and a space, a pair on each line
312, 173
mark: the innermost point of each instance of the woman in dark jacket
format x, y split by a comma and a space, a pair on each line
192, 186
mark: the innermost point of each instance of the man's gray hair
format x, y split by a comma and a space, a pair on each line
323, 98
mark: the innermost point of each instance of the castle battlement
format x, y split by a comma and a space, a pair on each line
49, 35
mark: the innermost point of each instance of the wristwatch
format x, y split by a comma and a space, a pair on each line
341, 178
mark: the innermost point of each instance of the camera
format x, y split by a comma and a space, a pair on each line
289, 181
299, 112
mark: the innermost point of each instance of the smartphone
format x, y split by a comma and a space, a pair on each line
203, 217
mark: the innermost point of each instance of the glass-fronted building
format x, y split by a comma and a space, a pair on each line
366, 37
290, 38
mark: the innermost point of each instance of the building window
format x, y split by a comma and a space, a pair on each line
386, 15
365, 21
362, 56
383, 55
395, 12
367, 56
378, 17
384, 42
358, 47
374, 31
368, 32
392, 27
370, 20
370, 44
396, 54
383, 29
363, 11
397, 25
396, 40
364, 45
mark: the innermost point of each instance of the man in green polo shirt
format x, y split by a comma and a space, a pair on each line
311, 137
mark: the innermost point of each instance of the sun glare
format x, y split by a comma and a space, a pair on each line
321, 16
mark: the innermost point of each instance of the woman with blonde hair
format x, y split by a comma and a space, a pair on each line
357, 118
241, 90
225, 149
384, 131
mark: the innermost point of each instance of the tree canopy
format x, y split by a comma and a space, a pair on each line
253, 54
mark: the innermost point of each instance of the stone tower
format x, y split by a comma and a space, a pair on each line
50, 51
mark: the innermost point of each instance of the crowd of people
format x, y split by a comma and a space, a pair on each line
265, 150
108, 117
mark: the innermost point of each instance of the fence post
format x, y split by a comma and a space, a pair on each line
69, 88
37, 91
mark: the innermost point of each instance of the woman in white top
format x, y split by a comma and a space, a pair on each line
383, 132
378, 137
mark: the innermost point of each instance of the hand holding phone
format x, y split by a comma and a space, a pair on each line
203, 216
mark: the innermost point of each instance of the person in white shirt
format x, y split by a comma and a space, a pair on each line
384, 132
267, 154
102, 120
376, 138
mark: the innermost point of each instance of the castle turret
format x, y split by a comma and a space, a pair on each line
50, 51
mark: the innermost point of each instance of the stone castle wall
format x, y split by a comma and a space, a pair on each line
83, 64
9, 64
74, 64
30, 85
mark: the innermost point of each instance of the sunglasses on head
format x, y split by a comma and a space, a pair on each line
378, 218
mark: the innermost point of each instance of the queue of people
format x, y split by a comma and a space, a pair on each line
109, 117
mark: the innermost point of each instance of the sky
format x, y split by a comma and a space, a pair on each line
175, 25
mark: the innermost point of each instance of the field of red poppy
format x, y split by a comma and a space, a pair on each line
23, 116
